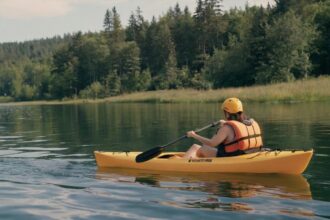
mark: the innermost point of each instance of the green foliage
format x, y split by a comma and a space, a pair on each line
256, 42
228, 67
184, 37
199, 82
171, 70
322, 56
209, 25
129, 66
78, 64
112, 27
159, 82
183, 78
112, 84
288, 39
37, 50
64, 75
159, 47
94, 91
144, 80
7, 76
5, 99
137, 27
28, 92
210, 48
136, 31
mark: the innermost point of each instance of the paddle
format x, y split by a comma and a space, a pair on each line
154, 152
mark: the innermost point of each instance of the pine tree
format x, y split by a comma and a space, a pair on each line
171, 70
257, 45
208, 29
184, 37
283, 6
112, 26
136, 31
177, 11
288, 40
107, 24
321, 58
132, 28
200, 21
129, 66
139, 16
112, 84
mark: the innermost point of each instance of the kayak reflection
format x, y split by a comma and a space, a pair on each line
225, 185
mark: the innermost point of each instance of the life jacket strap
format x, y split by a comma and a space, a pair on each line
242, 139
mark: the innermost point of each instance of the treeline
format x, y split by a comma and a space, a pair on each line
207, 48
25, 68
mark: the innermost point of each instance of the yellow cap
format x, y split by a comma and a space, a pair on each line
232, 105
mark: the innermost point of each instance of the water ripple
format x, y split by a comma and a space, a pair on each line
48, 170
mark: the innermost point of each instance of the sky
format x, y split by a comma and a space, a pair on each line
22, 20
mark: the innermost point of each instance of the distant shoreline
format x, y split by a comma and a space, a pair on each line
309, 90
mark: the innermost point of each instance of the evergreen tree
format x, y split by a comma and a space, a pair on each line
144, 80
171, 69
209, 29
78, 65
7, 77
159, 46
64, 77
177, 11
284, 6
322, 57
132, 29
288, 41
112, 26
129, 66
257, 45
108, 23
140, 37
228, 67
184, 39
238, 47
200, 20
136, 28
112, 84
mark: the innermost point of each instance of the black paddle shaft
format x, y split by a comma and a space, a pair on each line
154, 152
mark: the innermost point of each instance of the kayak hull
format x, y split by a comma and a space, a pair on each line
285, 162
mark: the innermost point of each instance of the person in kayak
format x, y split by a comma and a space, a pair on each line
236, 135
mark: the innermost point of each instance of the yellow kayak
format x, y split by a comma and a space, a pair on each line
285, 162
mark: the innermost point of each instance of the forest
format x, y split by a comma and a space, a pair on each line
207, 48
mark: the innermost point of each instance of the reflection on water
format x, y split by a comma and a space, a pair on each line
221, 190
224, 185
48, 169
216, 204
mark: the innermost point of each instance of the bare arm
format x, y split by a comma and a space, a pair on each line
215, 140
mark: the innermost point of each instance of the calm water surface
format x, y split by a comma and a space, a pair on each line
48, 170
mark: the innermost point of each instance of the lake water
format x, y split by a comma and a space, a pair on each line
48, 169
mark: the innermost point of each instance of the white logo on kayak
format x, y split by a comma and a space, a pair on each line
200, 160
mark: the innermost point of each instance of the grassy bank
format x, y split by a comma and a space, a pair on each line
317, 89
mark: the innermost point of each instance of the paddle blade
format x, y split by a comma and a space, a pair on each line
149, 154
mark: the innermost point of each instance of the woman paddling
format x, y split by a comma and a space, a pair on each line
237, 135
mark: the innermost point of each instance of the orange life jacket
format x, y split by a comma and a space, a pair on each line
247, 136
